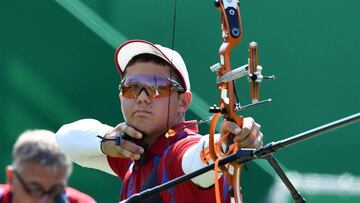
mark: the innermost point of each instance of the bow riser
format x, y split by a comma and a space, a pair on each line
231, 34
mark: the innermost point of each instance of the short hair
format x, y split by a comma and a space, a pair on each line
39, 146
157, 60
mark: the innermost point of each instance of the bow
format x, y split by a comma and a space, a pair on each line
231, 35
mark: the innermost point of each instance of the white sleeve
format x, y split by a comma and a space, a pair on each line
191, 162
78, 141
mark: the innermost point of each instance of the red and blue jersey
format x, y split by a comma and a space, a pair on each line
166, 155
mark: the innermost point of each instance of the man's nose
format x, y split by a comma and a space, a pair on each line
143, 96
46, 199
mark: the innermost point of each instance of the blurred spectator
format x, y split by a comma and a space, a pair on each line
39, 172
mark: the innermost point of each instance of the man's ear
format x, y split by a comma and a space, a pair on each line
185, 101
9, 171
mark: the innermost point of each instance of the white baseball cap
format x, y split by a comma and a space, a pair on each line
132, 48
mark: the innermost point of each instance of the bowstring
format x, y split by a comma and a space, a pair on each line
171, 69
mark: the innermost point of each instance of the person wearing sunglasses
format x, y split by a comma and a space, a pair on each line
155, 95
39, 172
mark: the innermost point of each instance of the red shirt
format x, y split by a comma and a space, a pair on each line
167, 155
73, 195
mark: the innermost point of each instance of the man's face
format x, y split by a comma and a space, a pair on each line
36, 183
151, 115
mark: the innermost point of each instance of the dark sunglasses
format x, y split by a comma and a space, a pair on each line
36, 190
154, 86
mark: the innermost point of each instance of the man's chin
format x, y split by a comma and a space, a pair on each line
142, 125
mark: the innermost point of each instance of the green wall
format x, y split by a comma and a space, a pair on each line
56, 66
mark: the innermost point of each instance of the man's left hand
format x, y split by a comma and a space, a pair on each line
249, 136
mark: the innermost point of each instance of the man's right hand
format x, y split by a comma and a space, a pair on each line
126, 149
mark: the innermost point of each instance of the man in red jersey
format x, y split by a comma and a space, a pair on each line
39, 172
154, 94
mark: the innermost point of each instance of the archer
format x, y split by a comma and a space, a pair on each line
154, 94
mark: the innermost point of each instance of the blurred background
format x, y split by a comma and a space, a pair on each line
57, 66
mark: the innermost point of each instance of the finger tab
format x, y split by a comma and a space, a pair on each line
117, 140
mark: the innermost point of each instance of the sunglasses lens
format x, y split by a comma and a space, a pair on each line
130, 91
131, 87
164, 91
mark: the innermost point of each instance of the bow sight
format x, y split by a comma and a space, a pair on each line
252, 70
